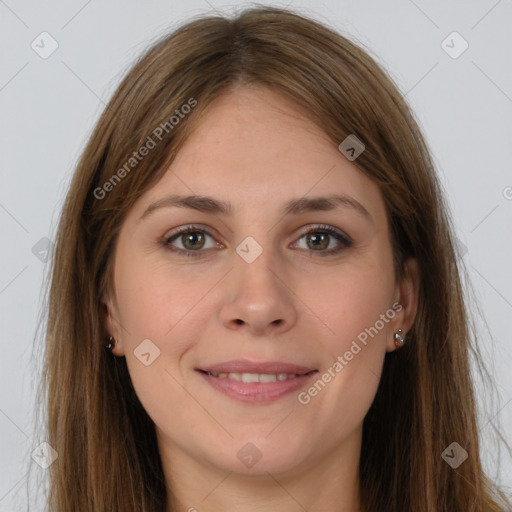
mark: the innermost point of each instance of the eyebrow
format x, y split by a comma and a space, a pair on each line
293, 207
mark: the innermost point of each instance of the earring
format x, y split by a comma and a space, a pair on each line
399, 338
111, 343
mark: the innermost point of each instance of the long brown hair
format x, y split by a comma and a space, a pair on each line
108, 456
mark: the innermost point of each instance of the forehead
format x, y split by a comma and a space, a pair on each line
253, 146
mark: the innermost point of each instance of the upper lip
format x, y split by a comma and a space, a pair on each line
245, 366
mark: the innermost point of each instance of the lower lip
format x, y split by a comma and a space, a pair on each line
256, 392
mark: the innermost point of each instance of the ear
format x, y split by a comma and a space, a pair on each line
406, 294
112, 327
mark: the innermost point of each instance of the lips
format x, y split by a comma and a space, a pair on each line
255, 382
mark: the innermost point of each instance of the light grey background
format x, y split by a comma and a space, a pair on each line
49, 106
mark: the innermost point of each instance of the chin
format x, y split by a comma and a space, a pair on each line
258, 455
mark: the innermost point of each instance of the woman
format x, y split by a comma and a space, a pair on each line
255, 301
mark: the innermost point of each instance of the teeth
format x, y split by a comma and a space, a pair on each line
250, 377
254, 377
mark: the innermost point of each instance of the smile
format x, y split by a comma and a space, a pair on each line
256, 388
254, 377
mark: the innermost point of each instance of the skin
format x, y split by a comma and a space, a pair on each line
256, 150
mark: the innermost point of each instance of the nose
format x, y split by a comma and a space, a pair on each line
258, 297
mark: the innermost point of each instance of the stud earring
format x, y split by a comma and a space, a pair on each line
111, 343
399, 338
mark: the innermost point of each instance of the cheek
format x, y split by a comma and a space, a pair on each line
155, 299
168, 307
355, 305
350, 301
157, 304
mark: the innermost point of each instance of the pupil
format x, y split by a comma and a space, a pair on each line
192, 239
319, 240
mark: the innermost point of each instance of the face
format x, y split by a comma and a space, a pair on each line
255, 323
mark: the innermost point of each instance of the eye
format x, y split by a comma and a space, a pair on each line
321, 239
189, 241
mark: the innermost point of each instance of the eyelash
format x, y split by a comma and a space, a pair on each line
344, 240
